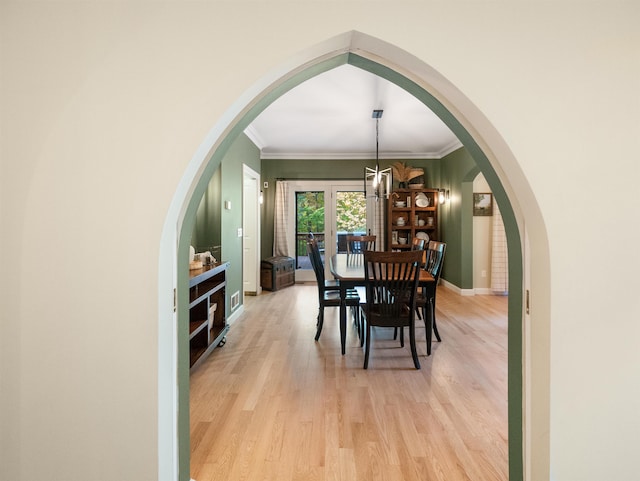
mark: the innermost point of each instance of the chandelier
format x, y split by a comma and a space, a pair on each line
380, 178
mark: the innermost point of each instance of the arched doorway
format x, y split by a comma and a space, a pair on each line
477, 135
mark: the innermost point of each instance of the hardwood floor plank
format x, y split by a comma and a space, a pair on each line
273, 404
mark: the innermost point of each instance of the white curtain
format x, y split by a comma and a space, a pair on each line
376, 209
280, 247
499, 255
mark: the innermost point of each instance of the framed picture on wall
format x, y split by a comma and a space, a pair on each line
482, 203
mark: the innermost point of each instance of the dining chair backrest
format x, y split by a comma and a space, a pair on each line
391, 279
316, 261
435, 258
357, 244
417, 244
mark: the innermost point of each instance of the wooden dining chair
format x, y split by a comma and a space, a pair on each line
357, 244
391, 280
417, 244
328, 291
426, 299
329, 284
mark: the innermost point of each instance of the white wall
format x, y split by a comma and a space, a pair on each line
104, 105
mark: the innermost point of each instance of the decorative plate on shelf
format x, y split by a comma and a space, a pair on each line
423, 235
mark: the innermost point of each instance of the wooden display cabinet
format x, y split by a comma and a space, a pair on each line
412, 215
207, 318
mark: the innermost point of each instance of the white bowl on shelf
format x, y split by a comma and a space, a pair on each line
422, 200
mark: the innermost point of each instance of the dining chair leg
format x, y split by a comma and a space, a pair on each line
428, 326
358, 320
343, 328
433, 320
367, 347
429, 318
412, 343
320, 322
395, 335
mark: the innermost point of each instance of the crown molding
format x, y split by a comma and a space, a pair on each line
259, 142
254, 137
357, 155
452, 147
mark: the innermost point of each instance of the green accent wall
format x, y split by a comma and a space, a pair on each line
218, 227
456, 218
207, 230
327, 169
243, 151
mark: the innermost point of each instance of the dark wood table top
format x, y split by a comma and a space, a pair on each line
351, 269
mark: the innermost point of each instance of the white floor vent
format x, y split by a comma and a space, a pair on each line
235, 300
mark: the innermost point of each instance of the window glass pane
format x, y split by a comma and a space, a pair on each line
309, 218
351, 216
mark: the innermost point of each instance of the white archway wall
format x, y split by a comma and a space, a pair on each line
368, 47
84, 181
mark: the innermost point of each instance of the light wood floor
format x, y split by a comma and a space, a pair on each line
273, 404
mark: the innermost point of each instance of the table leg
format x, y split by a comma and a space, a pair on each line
343, 319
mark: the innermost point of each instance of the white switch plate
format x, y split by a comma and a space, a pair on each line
239, 231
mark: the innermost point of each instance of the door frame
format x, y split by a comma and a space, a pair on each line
251, 223
329, 187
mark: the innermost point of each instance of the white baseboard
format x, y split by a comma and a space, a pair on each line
483, 291
487, 291
236, 314
456, 289
478, 291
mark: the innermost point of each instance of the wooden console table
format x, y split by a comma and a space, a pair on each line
207, 318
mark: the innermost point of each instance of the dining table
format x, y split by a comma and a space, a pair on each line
349, 270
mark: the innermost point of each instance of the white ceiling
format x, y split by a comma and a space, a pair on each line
330, 116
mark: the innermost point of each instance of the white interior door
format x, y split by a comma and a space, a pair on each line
251, 232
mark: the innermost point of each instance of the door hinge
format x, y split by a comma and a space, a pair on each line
175, 299
526, 302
